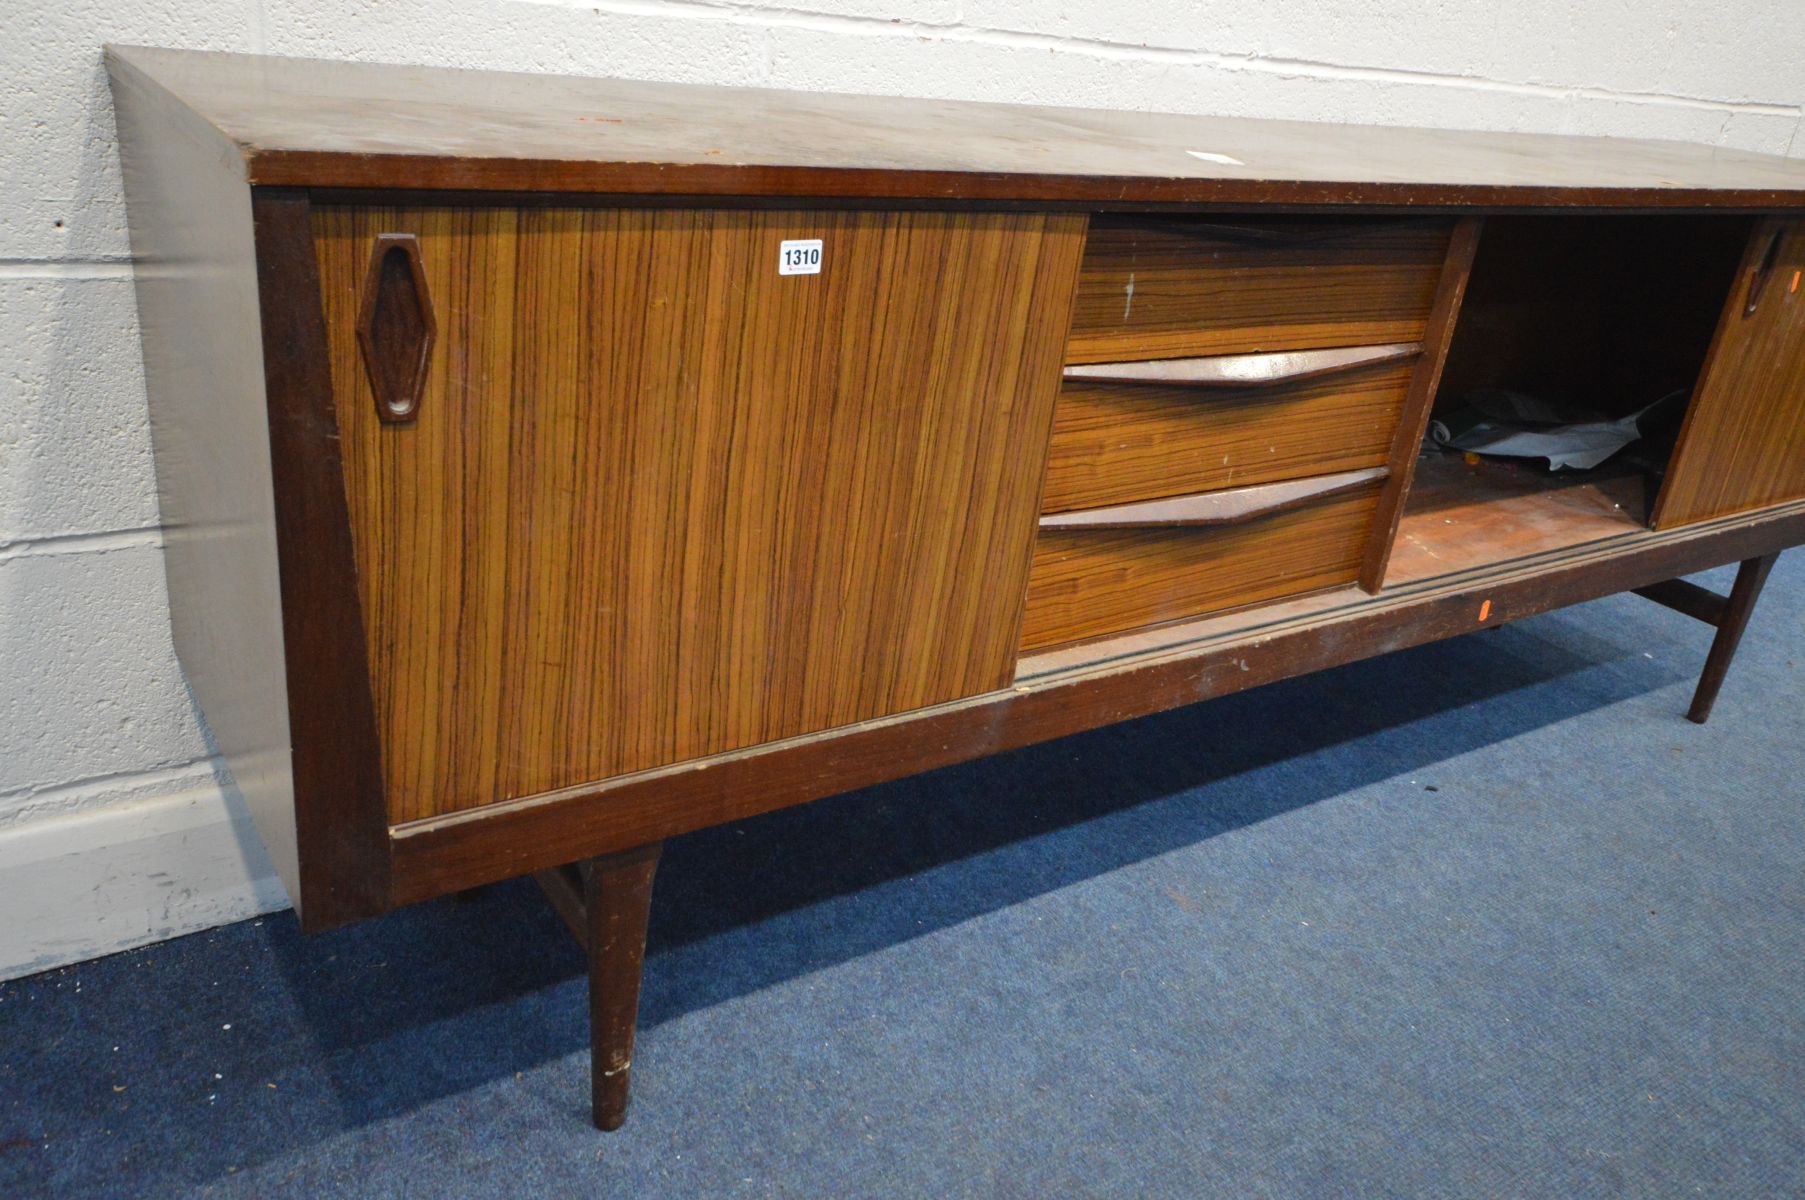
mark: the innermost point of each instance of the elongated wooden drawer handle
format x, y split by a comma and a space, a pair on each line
1214, 508
395, 326
1244, 370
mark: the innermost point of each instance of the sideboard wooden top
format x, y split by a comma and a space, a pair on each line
308, 123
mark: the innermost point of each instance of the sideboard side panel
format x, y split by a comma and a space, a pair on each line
194, 269
659, 501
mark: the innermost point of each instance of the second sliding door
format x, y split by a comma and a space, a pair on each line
1743, 445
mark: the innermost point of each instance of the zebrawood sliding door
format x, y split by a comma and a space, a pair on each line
1743, 445
654, 498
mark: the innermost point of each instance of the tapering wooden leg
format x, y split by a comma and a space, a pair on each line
617, 895
1750, 578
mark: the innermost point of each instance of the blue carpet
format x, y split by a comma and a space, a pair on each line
1486, 918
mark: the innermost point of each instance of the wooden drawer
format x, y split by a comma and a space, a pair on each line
1105, 571
1124, 432
1162, 287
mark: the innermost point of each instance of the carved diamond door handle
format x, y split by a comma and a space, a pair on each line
395, 326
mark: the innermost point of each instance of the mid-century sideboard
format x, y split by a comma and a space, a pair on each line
555, 466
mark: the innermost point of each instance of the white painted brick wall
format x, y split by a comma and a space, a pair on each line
108, 808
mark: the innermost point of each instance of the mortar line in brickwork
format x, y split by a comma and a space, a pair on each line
23, 806
66, 268
859, 26
80, 543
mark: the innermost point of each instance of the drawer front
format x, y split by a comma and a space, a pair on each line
1116, 442
1088, 583
653, 499
1162, 287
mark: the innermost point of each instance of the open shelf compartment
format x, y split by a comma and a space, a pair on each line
1597, 316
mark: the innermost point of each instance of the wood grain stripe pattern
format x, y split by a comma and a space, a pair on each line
1202, 660
660, 502
1425, 381
1117, 443
1090, 583
1743, 444
1165, 287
